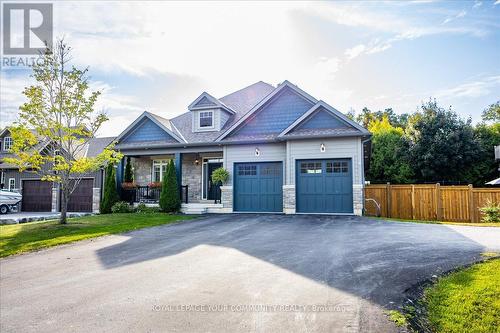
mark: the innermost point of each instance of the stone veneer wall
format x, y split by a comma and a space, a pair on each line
289, 199
191, 176
142, 170
96, 199
357, 197
227, 198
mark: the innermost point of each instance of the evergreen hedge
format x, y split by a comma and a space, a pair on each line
129, 176
110, 196
170, 201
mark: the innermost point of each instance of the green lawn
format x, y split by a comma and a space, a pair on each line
467, 300
391, 219
25, 237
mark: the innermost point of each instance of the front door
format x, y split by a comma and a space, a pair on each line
211, 190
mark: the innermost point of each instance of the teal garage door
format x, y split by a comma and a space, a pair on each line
258, 187
324, 186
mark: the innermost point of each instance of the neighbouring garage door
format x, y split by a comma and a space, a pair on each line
324, 186
81, 198
37, 196
258, 187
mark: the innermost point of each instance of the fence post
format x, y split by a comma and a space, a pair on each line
471, 204
439, 203
389, 198
413, 202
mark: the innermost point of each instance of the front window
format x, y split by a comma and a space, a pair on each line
12, 184
206, 119
159, 168
7, 143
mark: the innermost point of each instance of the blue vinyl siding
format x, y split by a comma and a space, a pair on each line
322, 119
277, 115
258, 187
325, 186
147, 130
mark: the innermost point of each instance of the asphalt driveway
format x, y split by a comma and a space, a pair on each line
234, 273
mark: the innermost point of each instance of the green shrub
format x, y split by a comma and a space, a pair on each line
142, 208
491, 212
128, 176
110, 194
121, 207
170, 201
220, 176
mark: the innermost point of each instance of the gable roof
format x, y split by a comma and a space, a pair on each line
207, 101
351, 126
240, 101
255, 108
163, 123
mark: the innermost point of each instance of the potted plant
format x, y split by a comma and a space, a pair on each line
154, 185
129, 185
219, 177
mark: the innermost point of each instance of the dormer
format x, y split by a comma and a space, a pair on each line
209, 114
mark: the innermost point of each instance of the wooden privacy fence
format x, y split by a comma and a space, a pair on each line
428, 202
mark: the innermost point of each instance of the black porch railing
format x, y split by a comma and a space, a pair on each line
147, 194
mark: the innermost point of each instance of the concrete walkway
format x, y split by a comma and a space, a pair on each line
234, 273
23, 217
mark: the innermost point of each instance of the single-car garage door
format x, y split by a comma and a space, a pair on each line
81, 198
258, 187
37, 196
324, 186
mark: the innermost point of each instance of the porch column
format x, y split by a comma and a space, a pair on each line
119, 174
178, 169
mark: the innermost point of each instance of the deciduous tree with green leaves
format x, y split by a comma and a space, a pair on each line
389, 159
56, 124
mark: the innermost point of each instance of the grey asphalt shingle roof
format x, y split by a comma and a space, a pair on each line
97, 145
240, 102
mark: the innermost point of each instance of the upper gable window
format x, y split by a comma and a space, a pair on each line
7, 143
206, 119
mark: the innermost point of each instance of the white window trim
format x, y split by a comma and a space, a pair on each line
213, 120
160, 163
13, 187
10, 141
2, 178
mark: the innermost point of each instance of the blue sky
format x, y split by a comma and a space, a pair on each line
160, 56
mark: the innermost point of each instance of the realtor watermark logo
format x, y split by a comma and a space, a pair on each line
27, 30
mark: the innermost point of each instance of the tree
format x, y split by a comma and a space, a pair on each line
389, 160
170, 201
128, 176
442, 145
492, 112
484, 168
110, 196
56, 124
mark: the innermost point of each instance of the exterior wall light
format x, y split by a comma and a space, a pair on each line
322, 148
257, 152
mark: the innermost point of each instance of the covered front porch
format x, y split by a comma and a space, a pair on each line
193, 171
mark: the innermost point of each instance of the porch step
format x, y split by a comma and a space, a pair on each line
200, 208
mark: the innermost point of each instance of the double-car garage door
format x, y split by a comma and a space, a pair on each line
322, 186
37, 196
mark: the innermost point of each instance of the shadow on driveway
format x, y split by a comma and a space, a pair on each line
373, 259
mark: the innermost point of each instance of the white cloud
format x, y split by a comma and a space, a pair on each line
497, 2
355, 51
473, 89
460, 14
477, 4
